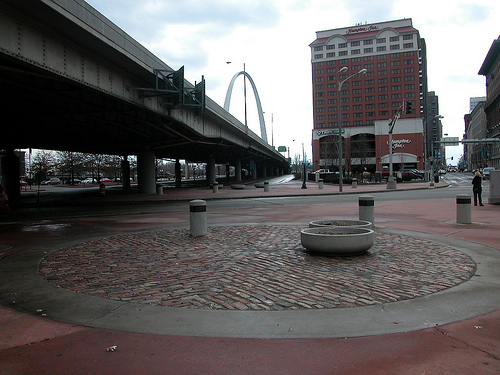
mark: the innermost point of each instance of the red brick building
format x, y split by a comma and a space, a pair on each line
394, 57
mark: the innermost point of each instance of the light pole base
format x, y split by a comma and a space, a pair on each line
391, 183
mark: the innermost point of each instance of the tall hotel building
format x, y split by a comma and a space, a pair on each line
394, 57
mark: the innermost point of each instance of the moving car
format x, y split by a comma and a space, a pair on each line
486, 172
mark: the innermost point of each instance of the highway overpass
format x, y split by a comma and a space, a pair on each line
71, 80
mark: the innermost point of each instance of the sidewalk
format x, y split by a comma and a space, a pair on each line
385, 343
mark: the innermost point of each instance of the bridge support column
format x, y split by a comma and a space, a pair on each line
264, 169
10, 176
178, 176
254, 170
210, 171
146, 172
237, 170
125, 173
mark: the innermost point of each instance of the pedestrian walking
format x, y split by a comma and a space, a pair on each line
477, 189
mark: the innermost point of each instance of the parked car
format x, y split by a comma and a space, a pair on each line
409, 174
105, 180
89, 181
486, 172
52, 181
322, 171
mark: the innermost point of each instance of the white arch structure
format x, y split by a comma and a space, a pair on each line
263, 133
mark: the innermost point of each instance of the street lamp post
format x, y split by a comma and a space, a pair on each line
341, 156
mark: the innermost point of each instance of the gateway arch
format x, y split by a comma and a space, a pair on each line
263, 133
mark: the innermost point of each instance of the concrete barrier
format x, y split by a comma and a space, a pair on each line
367, 208
198, 218
320, 184
464, 214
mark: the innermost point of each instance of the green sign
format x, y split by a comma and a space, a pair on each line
282, 148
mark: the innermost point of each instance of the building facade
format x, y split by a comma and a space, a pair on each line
394, 57
491, 70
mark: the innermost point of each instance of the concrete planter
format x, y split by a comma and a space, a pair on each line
340, 224
337, 241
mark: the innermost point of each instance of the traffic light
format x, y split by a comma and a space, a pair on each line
408, 107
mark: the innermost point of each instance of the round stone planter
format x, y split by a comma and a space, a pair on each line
337, 241
340, 224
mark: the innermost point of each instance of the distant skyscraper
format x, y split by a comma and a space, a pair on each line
394, 56
474, 101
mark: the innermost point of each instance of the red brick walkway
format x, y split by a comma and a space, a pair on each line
253, 268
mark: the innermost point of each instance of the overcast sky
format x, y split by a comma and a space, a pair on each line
272, 37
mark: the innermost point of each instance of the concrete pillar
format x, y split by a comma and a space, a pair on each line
10, 176
125, 173
254, 170
215, 187
198, 218
464, 215
237, 170
146, 172
266, 186
264, 169
367, 208
178, 175
210, 171
187, 173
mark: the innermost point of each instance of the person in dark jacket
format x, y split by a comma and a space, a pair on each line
477, 189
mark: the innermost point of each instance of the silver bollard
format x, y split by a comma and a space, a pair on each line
354, 182
367, 208
266, 186
215, 187
464, 215
198, 218
320, 183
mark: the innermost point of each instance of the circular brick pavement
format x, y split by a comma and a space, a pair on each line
253, 268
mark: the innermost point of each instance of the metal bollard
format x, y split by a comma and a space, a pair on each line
215, 187
266, 186
367, 208
464, 215
198, 218
354, 182
320, 183
159, 189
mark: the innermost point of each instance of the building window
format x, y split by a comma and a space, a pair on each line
357, 107
396, 87
319, 71
356, 51
331, 70
369, 98
409, 78
343, 53
332, 109
332, 101
355, 43
356, 91
343, 61
367, 42
383, 89
320, 102
320, 87
383, 97
382, 57
394, 47
381, 64
408, 54
320, 125
382, 72
357, 114
383, 105
394, 39
395, 71
381, 40
395, 79
368, 50
318, 48
370, 106
382, 80
409, 70
410, 86
316, 64
369, 58
395, 55
319, 56
330, 46
370, 114
381, 49
369, 81
369, 66
408, 45
330, 54
332, 93
342, 45
396, 63
383, 113
320, 110
320, 94
356, 59
408, 37
320, 117
331, 62
397, 96
319, 79
409, 62
369, 89
331, 85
